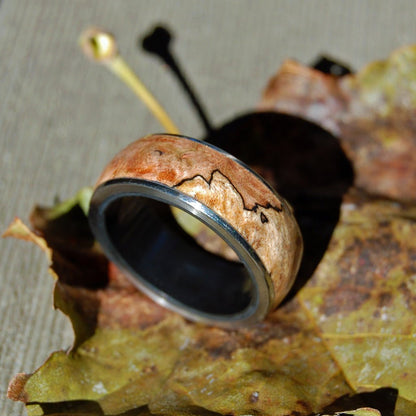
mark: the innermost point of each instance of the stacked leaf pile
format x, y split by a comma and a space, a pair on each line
351, 328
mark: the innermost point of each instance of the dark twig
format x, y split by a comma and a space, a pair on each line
158, 43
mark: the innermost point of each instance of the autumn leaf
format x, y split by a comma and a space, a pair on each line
365, 411
362, 297
140, 356
371, 112
143, 355
350, 329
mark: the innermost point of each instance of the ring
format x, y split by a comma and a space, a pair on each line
197, 230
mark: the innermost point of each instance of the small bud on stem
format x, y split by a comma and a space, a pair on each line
101, 47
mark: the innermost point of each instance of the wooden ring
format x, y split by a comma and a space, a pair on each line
131, 217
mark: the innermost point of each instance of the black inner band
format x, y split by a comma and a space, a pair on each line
155, 249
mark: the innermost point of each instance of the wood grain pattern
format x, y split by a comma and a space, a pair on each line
223, 184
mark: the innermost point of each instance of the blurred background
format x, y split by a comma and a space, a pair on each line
63, 117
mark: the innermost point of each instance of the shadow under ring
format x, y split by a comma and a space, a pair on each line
132, 220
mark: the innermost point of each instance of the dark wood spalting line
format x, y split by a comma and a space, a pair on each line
256, 206
263, 218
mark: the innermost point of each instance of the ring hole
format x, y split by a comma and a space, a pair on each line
203, 235
165, 259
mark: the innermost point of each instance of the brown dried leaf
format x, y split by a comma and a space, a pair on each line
363, 295
351, 328
139, 354
364, 411
372, 113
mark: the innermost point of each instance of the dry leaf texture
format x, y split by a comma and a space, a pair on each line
372, 112
351, 328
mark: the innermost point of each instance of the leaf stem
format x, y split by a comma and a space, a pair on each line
101, 47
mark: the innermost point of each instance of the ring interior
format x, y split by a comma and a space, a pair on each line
142, 236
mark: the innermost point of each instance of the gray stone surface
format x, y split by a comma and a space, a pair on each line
62, 117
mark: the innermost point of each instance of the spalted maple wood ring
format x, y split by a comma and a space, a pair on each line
131, 217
